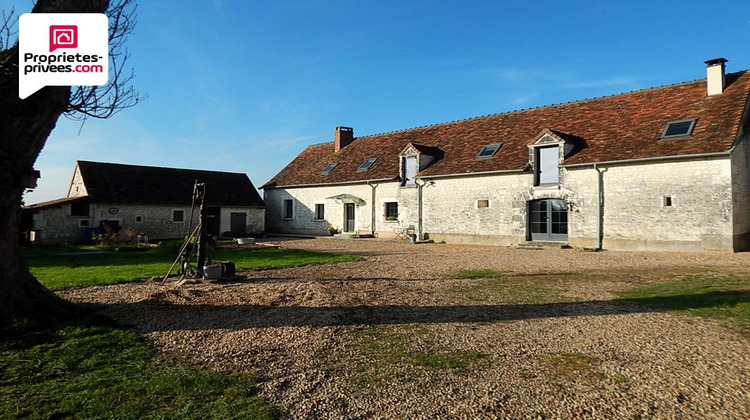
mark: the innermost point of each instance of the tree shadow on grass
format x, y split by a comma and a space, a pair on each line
154, 315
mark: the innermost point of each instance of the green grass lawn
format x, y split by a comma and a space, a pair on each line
91, 371
73, 266
99, 372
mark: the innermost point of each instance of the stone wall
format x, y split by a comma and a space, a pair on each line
56, 225
682, 205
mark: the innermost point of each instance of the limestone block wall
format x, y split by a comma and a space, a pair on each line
684, 205
55, 225
305, 199
678, 205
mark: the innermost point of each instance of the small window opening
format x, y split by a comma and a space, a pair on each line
328, 168
391, 211
288, 209
366, 164
682, 128
667, 201
488, 151
320, 211
139, 219
178, 215
483, 204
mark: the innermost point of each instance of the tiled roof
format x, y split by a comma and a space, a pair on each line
131, 184
56, 202
612, 128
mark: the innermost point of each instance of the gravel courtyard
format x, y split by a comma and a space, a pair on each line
396, 336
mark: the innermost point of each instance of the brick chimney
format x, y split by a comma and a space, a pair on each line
341, 137
715, 80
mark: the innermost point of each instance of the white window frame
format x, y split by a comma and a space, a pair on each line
287, 215
320, 215
184, 215
410, 170
546, 156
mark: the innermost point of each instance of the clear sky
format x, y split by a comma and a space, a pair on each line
245, 86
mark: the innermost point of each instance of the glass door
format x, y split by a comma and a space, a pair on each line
549, 220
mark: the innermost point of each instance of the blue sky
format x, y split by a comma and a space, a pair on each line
244, 86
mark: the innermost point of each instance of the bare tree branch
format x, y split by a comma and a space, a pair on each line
118, 94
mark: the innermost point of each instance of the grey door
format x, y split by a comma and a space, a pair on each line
349, 217
238, 224
549, 220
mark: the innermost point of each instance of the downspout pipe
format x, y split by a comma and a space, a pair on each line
372, 207
420, 205
600, 205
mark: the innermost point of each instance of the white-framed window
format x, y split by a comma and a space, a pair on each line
287, 209
410, 169
547, 165
139, 219
178, 216
391, 211
320, 212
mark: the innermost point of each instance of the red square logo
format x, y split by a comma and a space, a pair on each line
63, 36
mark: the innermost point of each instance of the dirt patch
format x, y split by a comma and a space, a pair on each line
395, 336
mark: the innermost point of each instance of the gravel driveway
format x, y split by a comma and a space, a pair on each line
394, 336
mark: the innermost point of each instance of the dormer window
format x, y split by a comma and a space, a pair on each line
488, 151
366, 164
410, 170
328, 168
547, 166
547, 153
683, 128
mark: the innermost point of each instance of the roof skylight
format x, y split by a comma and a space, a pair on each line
488, 151
366, 164
328, 168
681, 128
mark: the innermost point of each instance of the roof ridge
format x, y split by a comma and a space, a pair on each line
542, 106
159, 167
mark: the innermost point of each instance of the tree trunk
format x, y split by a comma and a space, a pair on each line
25, 126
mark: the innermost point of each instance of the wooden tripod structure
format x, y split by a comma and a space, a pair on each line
197, 237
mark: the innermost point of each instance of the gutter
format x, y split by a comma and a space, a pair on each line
651, 159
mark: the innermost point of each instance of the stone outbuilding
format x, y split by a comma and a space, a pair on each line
664, 168
150, 201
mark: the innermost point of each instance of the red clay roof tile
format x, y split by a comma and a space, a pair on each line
612, 128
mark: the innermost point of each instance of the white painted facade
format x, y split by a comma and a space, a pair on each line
679, 204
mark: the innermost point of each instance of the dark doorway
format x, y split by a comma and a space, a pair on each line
238, 224
213, 221
349, 217
549, 220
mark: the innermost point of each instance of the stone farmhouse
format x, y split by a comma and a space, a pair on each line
664, 168
153, 201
